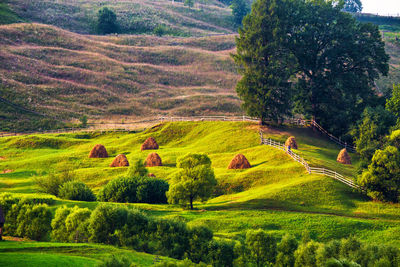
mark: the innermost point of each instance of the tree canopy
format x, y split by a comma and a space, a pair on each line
107, 21
382, 179
239, 10
194, 180
311, 56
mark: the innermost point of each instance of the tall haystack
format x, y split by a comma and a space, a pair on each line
344, 157
291, 141
120, 161
98, 151
153, 159
239, 162
150, 143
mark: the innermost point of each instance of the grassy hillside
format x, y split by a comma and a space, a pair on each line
136, 16
65, 75
275, 194
36, 254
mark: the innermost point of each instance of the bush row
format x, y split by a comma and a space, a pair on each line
134, 190
128, 227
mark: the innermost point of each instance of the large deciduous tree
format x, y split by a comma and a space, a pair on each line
331, 59
264, 61
338, 60
194, 180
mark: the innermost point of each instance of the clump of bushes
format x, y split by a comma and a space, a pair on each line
31, 221
75, 190
51, 184
65, 186
134, 190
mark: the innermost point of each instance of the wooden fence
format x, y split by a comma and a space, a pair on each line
320, 171
132, 125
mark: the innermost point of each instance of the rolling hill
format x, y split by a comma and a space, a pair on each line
276, 194
136, 16
63, 74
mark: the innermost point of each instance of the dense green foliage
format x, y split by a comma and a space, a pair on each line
263, 62
194, 180
369, 135
134, 189
106, 21
52, 183
393, 103
331, 59
239, 10
75, 190
137, 169
25, 220
382, 179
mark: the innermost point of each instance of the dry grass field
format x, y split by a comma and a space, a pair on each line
66, 74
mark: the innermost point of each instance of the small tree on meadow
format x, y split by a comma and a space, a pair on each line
106, 21
195, 180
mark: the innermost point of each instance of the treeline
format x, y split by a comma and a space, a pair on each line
378, 20
129, 227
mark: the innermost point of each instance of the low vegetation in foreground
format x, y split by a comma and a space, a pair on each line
275, 194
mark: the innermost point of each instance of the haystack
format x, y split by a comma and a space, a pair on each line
150, 143
98, 151
344, 157
120, 161
291, 141
153, 159
239, 162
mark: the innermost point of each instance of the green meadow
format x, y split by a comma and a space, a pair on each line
276, 194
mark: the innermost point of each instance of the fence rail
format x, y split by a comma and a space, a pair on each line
314, 170
127, 127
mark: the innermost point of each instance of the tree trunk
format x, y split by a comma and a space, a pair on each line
191, 203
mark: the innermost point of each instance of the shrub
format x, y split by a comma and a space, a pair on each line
122, 189
77, 223
52, 183
106, 21
134, 190
137, 169
151, 190
32, 221
114, 261
59, 229
104, 221
221, 253
382, 179
74, 190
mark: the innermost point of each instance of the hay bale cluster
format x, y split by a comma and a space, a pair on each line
98, 151
120, 161
291, 141
239, 162
153, 159
150, 143
344, 157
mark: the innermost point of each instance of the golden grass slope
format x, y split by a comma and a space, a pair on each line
133, 16
64, 74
